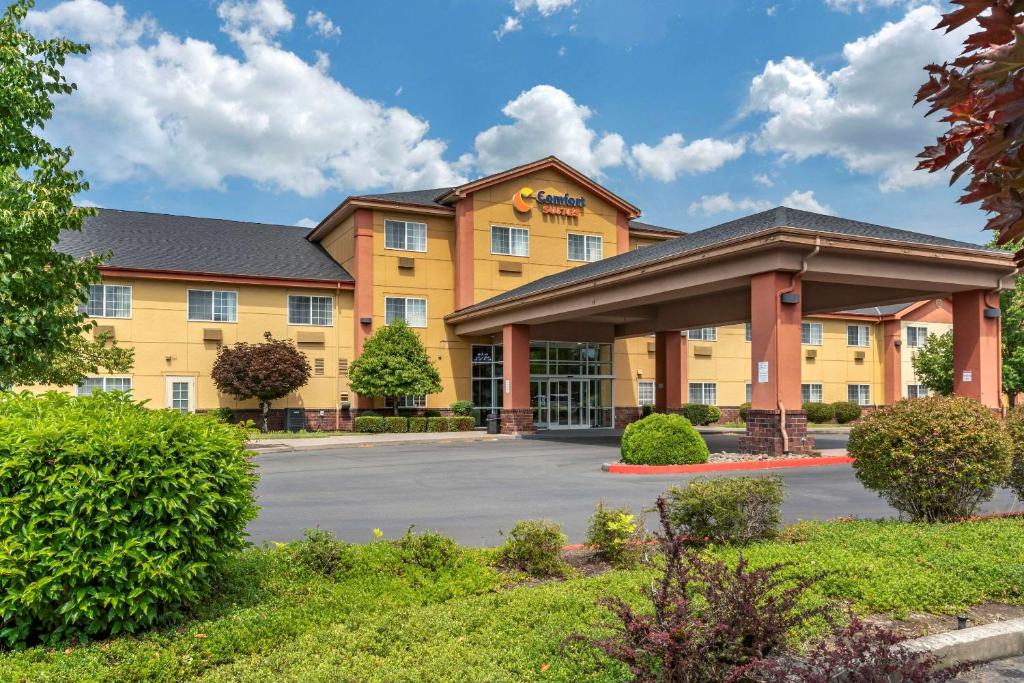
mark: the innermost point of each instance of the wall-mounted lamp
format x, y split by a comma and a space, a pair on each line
992, 313
898, 343
366, 320
789, 298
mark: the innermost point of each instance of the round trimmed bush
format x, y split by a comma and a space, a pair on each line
462, 408
701, 414
114, 517
744, 409
933, 458
820, 413
846, 412
1015, 428
661, 439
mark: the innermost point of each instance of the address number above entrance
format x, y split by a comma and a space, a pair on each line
561, 204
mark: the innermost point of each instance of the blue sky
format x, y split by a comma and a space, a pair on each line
697, 111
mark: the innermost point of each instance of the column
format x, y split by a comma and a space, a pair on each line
621, 232
464, 260
976, 352
363, 294
669, 370
775, 317
892, 361
516, 413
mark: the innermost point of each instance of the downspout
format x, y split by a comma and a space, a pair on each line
1000, 287
797, 277
337, 354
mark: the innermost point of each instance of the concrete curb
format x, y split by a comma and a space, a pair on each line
781, 463
998, 640
314, 444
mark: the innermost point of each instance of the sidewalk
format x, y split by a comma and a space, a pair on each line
279, 445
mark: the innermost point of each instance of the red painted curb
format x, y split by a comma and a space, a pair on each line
622, 468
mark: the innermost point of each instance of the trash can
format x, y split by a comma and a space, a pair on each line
493, 423
295, 419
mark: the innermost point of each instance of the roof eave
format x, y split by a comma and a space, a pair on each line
349, 206
227, 278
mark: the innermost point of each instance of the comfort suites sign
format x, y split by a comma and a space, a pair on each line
560, 204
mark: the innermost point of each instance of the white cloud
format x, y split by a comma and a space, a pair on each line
861, 113
671, 157
307, 223
181, 110
511, 25
545, 7
764, 180
562, 50
771, 10
321, 23
806, 202
548, 121
711, 204
865, 5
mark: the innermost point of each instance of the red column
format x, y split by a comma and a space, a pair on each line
976, 353
464, 261
775, 367
892, 361
363, 294
669, 370
621, 232
516, 413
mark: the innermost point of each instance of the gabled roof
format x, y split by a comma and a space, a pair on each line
185, 244
417, 197
779, 217
880, 311
637, 226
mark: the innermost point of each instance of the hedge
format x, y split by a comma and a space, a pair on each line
661, 439
846, 412
437, 424
819, 413
700, 414
462, 423
396, 424
370, 424
417, 424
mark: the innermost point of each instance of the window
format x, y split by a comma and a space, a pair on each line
90, 384
585, 247
109, 301
916, 336
749, 393
645, 392
917, 391
412, 401
704, 392
510, 241
405, 235
810, 333
212, 306
858, 335
310, 310
811, 393
859, 394
412, 311
748, 332
703, 334
486, 370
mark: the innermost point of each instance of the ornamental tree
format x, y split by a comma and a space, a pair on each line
394, 363
933, 363
982, 95
266, 371
40, 289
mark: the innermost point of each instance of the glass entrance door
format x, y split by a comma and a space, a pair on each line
569, 404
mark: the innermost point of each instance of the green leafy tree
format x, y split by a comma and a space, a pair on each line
41, 325
933, 363
394, 363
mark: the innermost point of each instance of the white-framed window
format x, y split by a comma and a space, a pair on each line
917, 391
811, 393
109, 301
858, 335
748, 332
703, 334
749, 393
310, 310
704, 392
585, 247
645, 392
859, 394
90, 384
412, 311
811, 333
212, 306
411, 401
405, 235
510, 241
917, 335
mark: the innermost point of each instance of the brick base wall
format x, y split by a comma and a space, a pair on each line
517, 421
765, 437
331, 420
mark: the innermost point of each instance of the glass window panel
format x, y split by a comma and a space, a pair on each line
811, 393
416, 236
225, 306
416, 312
857, 335
394, 234
810, 333
519, 241
94, 305
577, 248
483, 354
500, 240
200, 305
916, 336
645, 392
748, 332
322, 312
298, 310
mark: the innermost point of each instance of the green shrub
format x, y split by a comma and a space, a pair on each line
646, 409
744, 409
417, 424
430, 550
728, 509
534, 546
1015, 428
700, 414
820, 413
437, 424
371, 424
934, 458
113, 517
661, 439
396, 425
846, 412
431, 413
322, 553
223, 414
616, 535
369, 413
462, 423
462, 408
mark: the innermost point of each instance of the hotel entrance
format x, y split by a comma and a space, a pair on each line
571, 403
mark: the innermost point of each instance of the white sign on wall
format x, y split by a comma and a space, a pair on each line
762, 372
508, 386
968, 376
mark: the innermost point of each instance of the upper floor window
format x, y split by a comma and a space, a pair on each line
212, 306
703, 334
109, 301
917, 335
510, 241
90, 384
310, 310
412, 311
585, 247
858, 335
810, 333
405, 235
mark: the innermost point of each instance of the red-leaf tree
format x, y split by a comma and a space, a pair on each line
266, 371
982, 93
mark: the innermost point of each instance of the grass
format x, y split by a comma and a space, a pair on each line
384, 619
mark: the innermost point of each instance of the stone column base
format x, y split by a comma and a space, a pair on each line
517, 421
764, 437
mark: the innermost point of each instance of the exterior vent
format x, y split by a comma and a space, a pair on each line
406, 263
306, 337
651, 347
859, 356
811, 354
101, 330
213, 335
511, 267
343, 397
343, 367
318, 367
703, 351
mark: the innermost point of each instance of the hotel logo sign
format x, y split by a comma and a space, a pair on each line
559, 204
